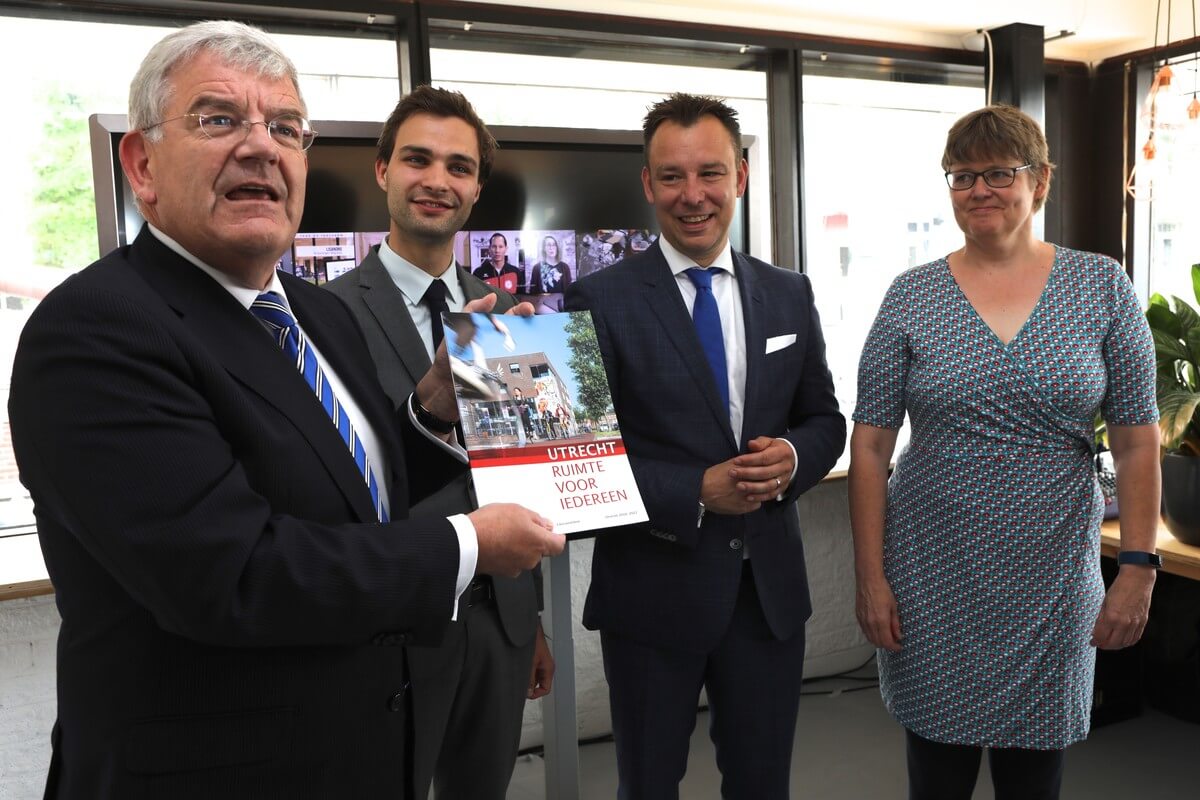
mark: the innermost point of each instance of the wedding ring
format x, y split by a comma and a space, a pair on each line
778, 483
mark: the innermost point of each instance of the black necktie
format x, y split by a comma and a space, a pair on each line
435, 300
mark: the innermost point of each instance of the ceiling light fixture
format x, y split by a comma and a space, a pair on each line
1163, 107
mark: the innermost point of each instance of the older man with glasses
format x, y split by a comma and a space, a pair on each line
219, 480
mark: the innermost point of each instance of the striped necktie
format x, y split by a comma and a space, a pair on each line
272, 310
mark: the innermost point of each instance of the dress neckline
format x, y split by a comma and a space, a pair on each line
1050, 281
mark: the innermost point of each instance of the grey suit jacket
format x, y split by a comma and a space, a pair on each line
401, 361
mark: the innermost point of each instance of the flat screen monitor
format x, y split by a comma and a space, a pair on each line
560, 204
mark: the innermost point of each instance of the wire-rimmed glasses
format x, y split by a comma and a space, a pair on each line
287, 130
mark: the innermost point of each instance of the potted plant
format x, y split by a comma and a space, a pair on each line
1175, 326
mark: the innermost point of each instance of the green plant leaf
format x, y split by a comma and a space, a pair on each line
1175, 326
1193, 346
1168, 347
1188, 319
1161, 318
1175, 410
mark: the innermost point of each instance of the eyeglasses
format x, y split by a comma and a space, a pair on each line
287, 130
998, 177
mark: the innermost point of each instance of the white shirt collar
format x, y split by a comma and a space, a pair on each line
413, 281
243, 294
678, 262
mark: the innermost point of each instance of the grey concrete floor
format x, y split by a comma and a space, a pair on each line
849, 748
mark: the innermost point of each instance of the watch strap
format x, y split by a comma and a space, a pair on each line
1140, 558
428, 420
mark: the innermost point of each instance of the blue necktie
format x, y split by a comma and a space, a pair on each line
707, 319
272, 311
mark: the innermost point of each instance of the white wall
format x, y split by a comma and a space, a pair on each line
28, 630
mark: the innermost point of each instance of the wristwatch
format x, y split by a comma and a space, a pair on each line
1140, 557
428, 420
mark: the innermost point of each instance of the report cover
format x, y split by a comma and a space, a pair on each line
537, 418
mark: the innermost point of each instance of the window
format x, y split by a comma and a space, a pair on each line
514, 368
1168, 190
48, 204
875, 200
552, 91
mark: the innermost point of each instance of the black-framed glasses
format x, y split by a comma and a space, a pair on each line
997, 177
287, 130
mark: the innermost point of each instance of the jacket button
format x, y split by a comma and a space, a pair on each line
735, 544
396, 701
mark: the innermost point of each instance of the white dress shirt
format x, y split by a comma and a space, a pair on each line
413, 282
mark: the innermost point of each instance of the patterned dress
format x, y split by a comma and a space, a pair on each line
992, 537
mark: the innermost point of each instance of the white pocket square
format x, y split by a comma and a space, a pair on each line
780, 342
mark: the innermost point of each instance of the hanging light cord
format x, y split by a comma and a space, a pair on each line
991, 69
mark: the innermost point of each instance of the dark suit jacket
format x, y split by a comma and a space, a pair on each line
401, 361
667, 582
226, 608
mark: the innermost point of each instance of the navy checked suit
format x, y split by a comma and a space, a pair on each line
681, 590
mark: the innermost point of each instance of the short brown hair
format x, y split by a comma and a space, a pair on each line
438, 103
686, 110
1000, 131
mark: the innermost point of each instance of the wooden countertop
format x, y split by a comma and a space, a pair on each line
1178, 558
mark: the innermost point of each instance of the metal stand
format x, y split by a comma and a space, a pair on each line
558, 708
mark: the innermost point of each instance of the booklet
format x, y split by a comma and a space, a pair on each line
537, 418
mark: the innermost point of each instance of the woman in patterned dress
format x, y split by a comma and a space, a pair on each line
977, 563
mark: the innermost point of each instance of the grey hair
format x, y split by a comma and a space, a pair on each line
237, 45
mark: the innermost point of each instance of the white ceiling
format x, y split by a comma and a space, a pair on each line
1102, 28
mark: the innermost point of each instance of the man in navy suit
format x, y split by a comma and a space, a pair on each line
233, 596
728, 414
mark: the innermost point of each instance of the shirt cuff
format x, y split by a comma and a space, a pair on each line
795, 466
468, 557
453, 448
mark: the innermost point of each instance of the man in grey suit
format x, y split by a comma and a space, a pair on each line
469, 692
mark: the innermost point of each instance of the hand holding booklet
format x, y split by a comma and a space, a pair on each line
537, 418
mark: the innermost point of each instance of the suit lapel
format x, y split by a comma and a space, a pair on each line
241, 344
665, 303
387, 304
472, 287
752, 319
